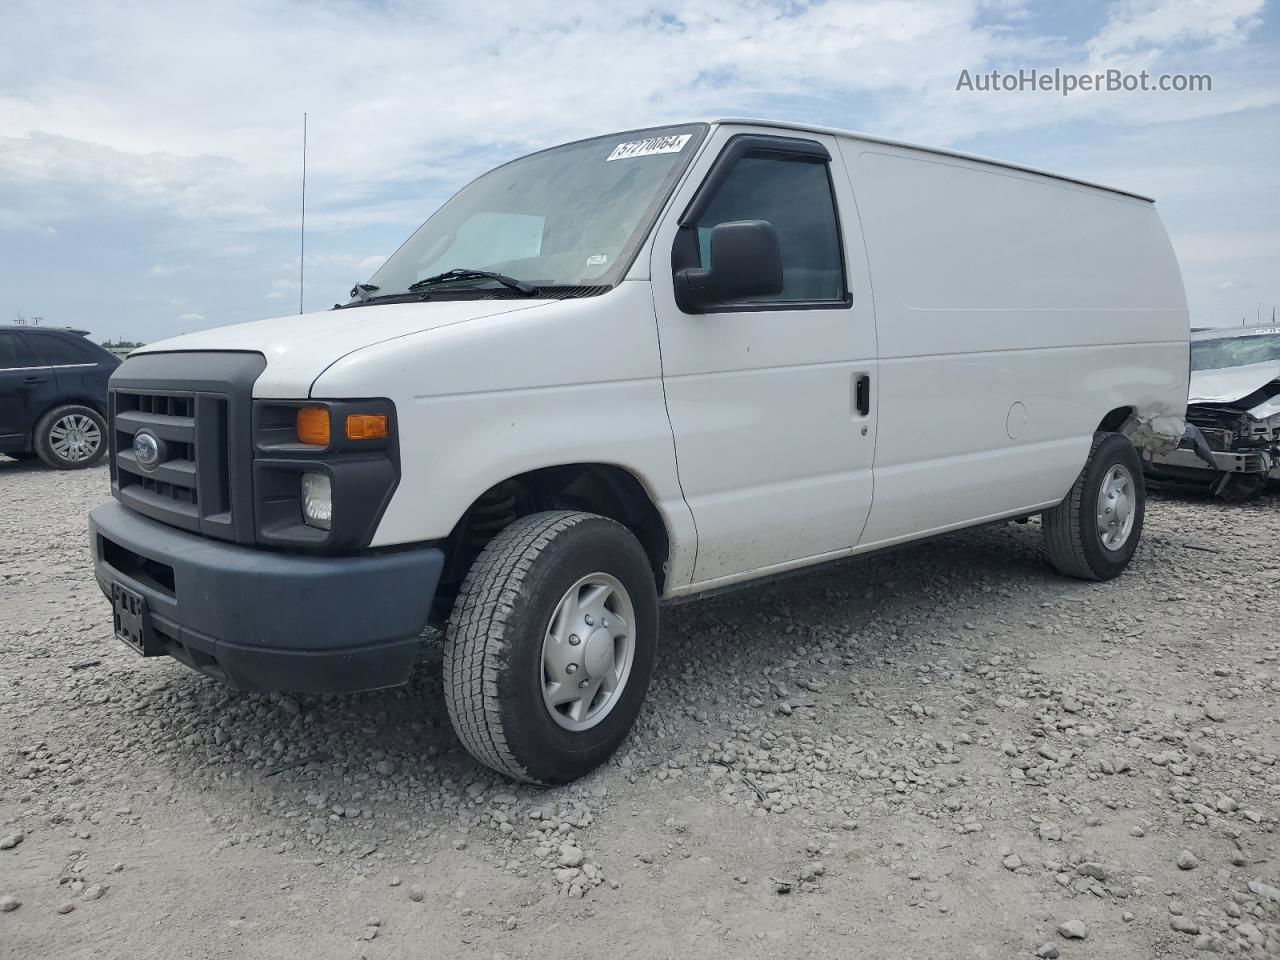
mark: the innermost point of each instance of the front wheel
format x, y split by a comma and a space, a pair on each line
1094, 532
550, 646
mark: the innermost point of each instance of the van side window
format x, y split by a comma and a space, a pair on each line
14, 354
795, 196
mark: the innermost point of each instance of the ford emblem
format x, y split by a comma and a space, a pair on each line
146, 449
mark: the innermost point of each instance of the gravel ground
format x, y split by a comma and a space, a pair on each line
945, 751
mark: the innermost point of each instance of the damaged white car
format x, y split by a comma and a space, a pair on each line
1232, 441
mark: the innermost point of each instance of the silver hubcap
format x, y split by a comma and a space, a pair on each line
1117, 505
588, 651
75, 437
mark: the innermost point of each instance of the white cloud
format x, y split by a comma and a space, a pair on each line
1142, 27
329, 271
284, 288
233, 250
185, 117
1225, 246
17, 221
191, 318
403, 91
428, 83
165, 270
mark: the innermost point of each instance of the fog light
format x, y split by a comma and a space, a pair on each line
317, 500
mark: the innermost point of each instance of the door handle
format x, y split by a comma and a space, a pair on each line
35, 379
862, 395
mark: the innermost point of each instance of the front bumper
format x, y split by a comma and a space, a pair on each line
265, 620
1244, 461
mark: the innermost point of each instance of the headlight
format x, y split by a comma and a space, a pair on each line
310, 453
317, 500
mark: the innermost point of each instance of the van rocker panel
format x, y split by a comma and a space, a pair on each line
271, 621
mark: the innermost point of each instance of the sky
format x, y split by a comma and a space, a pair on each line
150, 151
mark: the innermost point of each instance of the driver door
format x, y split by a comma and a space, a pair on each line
772, 401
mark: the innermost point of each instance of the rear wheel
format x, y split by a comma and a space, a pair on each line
550, 646
1094, 532
71, 437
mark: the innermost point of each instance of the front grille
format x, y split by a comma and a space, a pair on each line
184, 426
193, 413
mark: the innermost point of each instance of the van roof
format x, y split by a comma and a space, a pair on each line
836, 132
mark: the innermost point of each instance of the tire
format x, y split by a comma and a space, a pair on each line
1075, 540
496, 672
71, 437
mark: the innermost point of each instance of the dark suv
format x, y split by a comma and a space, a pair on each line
53, 396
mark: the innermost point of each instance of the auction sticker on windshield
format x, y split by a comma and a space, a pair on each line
649, 147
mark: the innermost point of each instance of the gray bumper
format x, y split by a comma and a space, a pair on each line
265, 620
1248, 461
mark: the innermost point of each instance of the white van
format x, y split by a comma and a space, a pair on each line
627, 370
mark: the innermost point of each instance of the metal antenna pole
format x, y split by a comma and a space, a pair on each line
302, 239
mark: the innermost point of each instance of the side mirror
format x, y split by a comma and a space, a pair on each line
746, 262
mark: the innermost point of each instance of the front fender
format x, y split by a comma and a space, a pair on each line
579, 381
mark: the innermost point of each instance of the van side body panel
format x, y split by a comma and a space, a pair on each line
1013, 312
1002, 314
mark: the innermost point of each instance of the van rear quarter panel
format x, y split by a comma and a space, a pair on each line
994, 288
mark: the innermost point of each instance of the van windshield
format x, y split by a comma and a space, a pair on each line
1218, 354
566, 217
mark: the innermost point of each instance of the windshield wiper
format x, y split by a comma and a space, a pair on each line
465, 273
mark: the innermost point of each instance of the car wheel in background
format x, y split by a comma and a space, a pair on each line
71, 437
1094, 532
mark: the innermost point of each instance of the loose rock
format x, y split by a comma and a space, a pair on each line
1073, 930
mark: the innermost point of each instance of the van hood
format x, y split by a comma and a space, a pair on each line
1229, 384
299, 348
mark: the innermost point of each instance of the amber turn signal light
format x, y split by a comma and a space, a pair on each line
366, 426
313, 426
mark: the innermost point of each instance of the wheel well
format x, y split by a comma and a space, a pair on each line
608, 490
1115, 419
66, 401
